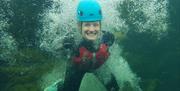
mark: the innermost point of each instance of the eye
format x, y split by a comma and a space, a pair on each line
87, 24
96, 24
91, 14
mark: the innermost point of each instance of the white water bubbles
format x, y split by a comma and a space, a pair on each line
111, 21
120, 68
58, 21
8, 45
61, 19
146, 15
8, 48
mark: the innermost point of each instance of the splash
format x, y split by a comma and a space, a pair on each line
111, 21
146, 15
57, 21
4, 11
60, 19
3, 24
8, 45
120, 68
157, 14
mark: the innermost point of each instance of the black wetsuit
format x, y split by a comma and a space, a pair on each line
75, 73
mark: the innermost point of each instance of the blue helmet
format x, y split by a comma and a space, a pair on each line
89, 10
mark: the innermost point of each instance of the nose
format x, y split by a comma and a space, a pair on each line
91, 28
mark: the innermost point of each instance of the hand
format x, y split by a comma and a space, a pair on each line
108, 38
68, 42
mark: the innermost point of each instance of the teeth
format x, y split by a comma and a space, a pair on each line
91, 32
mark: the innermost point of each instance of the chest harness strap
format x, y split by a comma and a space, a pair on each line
85, 55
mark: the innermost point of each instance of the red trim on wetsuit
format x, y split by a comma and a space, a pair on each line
102, 55
84, 55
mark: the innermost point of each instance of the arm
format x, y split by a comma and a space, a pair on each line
68, 42
69, 46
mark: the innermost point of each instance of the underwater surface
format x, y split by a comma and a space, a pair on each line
144, 57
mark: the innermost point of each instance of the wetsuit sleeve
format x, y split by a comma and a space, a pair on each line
69, 46
108, 38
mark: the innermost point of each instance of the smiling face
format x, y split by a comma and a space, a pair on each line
91, 30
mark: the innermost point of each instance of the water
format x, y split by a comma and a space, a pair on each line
31, 34
55, 23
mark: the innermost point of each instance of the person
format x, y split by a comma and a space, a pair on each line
91, 52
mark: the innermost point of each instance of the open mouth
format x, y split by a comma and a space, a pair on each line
91, 32
91, 35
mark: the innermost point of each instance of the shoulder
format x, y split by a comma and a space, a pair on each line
107, 38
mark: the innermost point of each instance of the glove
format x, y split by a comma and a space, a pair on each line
68, 42
108, 38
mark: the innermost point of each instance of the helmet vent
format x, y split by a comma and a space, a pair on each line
91, 14
100, 12
80, 13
